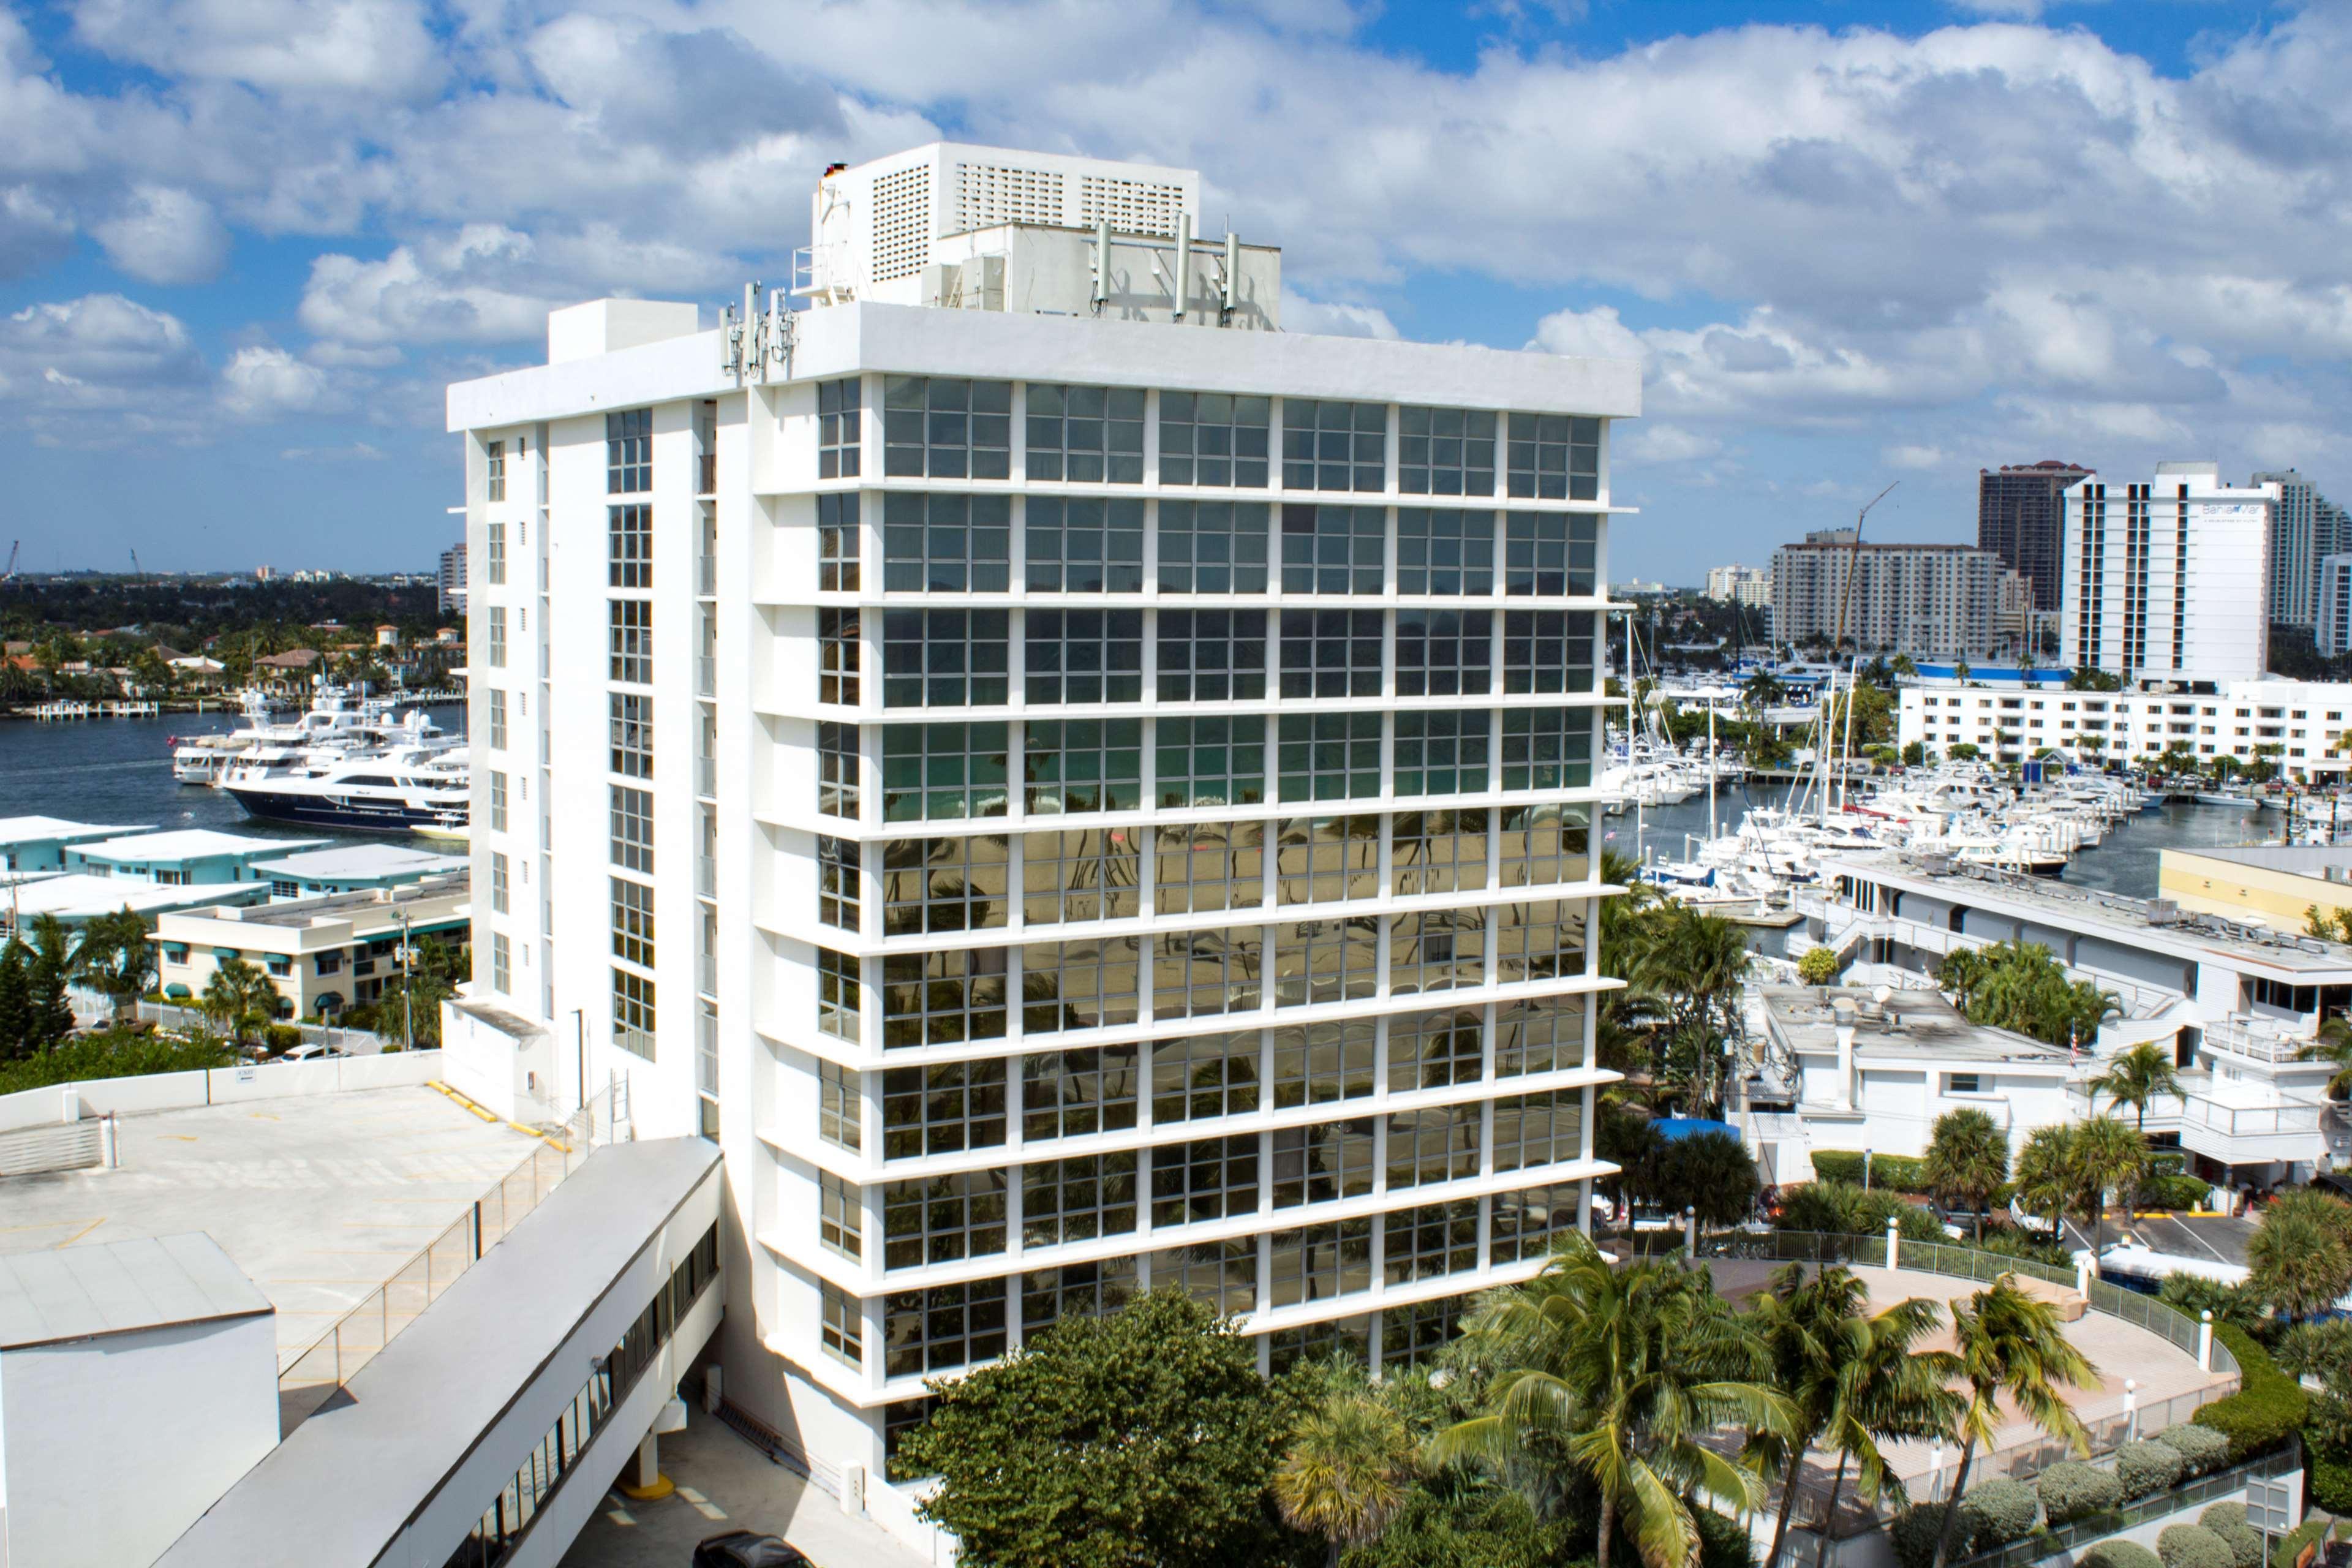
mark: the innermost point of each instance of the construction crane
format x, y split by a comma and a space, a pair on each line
10, 575
136, 574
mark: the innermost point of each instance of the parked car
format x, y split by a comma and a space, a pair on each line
313, 1051
748, 1548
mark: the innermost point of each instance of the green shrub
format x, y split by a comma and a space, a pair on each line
2269, 1407
1915, 1536
111, 1054
2070, 1491
2227, 1303
2144, 1470
2200, 1448
2228, 1520
2175, 1193
282, 1036
2329, 1480
1997, 1512
2290, 1544
2119, 1554
2193, 1546
1897, 1173
1818, 966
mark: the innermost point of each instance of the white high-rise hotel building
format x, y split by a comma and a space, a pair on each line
1076, 788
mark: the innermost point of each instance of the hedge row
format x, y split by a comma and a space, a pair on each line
2269, 1407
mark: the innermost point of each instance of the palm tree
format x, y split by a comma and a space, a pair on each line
2333, 1046
1841, 1370
2301, 1257
2106, 1156
2045, 1174
2136, 1076
2011, 1344
114, 956
238, 998
1620, 1370
1968, 1159
1347, 1472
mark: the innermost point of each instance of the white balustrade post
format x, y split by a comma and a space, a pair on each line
1893, 1243
1690, 1230
2131, 1410
2205, 1340
2082, 1277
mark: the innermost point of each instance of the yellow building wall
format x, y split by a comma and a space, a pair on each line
2209, 886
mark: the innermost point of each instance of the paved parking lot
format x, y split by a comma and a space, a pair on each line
724, 1483
2219, 1239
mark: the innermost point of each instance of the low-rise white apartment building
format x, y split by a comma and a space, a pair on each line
324, 953
2236, 1003
2168, 580
1076, 789
2306, 721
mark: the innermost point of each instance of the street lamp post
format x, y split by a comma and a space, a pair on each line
407, 992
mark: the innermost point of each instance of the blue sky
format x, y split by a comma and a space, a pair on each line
244, 244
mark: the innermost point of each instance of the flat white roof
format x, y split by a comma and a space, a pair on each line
55, 829
119, 1288
80, 894
187, 844
362, 860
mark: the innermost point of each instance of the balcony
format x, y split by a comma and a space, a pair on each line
2240, 1041
2288, 1128
706, 677
706, 974
706, 576
706, 777
706, 876
707, 474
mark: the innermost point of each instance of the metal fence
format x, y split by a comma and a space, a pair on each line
2059, 1541
311, 1376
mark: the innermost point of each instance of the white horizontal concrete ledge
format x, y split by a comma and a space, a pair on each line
149, 1093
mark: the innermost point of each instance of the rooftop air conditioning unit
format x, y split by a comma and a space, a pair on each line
2163, 913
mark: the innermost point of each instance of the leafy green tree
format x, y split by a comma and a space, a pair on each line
239, 999
1346, 1473
17, 1040
2333, 1046
1914, 754
2300, 1257
1816, 967
1614, 1374
51, 967
114, 956
1968, 1160
1141, 1439
1709, 1172
1965, 751
2011, 1348
1883, 1388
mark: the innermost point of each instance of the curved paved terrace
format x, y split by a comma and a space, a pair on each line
2168, 1388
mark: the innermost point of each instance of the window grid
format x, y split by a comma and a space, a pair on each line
1082, 765
942, 428
1528, 1223
840, 994
1544, 845
1079, 1199
1074, 1290
633, 735
1444, 653
939, 885
1437, 950
633, 829
1083, 656
1446, 451
946, 543
1328, 1162
1554, 456
497, 802
1333, 549
1220, 1275
498, 649
1541, 940
1331, 653
1431, 1240
1208, 866
839, 1111
1547, 748
1203, 973
1204, 1076
1211, 656
1088, 435
945, 1108
942, 1219
497, 882
844, 1328
1319, 1262
1532, 1130
1547, 651
946, 659
1214, 438
943, 1328
629, 640
1331, 446
838, 432
1447, 551
840, 537
1210, 1179
942, 998
1439, 1144
1413, 1334
1081, 985
1439, 852
1210, 761
839, 657
629, 547
837, 882
1432, 1051
1317, 963
1214, 547
1324, 1063
1545, 1036
629, 451
1084, 874
495, 568
837, 748
633, 1012
1327, 859
1075, 1094
633, 923
498, 719
840, 1215
1086, 545
934, 773
1330, 756
494, 457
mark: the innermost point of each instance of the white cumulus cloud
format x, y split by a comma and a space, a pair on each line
162, 235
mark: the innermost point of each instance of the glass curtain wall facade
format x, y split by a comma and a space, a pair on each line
1204, 892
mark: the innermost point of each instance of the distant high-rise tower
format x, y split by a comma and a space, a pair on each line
2168, 581
2021, 518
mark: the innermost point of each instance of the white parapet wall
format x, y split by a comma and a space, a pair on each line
149, 1093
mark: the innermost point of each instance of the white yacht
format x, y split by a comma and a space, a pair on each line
419, 784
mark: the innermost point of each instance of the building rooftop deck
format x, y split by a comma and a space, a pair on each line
385, 902
78, 895
2152, 924
186, 844
1918, 1022
119, 1288
14, 830
317, 1198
